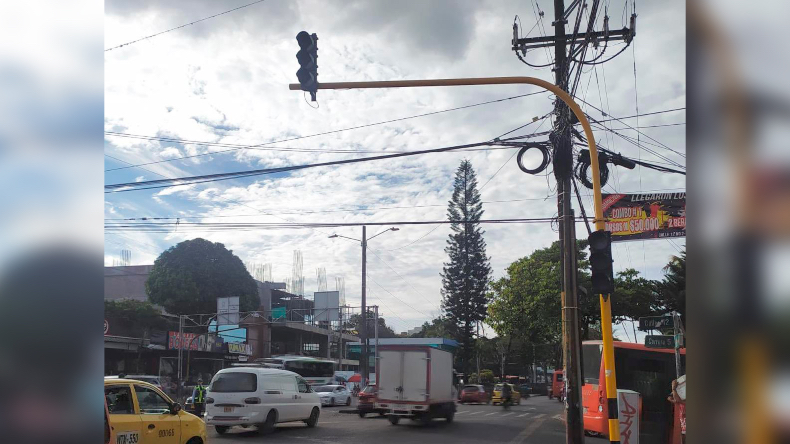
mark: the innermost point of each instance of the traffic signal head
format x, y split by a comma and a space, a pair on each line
601, 262
308, 62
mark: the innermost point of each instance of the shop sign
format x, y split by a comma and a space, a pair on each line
239, 348
195, 342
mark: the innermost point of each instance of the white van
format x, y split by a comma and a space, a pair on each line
262, 397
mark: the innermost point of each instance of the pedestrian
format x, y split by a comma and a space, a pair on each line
199, 398
678, 398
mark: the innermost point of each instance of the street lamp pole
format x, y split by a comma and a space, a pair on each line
363, 331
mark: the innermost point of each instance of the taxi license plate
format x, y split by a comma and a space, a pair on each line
228, 409
127, 438
400, 407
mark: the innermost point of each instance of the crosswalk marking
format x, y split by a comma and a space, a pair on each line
462, 412
492, 413
507, 414
521, 416
475, 413
540, 415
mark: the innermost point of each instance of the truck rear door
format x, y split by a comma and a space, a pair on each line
390, 370
415, 376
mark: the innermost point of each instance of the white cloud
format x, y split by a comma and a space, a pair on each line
226, 81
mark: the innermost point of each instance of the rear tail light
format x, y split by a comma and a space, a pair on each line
209, 400
254, 400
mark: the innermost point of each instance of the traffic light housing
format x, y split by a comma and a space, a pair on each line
601, 262
308, 62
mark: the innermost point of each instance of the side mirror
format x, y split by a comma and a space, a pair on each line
175, 408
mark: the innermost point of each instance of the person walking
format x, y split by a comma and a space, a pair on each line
199, 398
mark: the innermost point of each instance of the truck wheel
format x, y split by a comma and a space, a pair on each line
394, 419
221, 429
450, 415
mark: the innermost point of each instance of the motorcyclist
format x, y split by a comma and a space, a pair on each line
506, 395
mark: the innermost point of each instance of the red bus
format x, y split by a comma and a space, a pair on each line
648, 371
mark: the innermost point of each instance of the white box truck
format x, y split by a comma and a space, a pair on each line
415, 382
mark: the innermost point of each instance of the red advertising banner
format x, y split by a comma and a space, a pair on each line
645, 216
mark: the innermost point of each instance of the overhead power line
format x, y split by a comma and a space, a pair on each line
642, 115
182, 26
242, 226
166, 183
324, 133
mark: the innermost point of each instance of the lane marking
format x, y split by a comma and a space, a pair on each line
540, 415
475, 413
527, 432
508, 414
560, 417
492, 413
521, 416
462, 412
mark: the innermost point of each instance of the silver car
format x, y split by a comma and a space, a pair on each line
333, 395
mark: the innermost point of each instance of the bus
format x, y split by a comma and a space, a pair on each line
648, 371
315, 371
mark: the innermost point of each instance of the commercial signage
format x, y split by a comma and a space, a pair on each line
228, 311
645, 216
239, 348
194, 342
659, 341
655, 322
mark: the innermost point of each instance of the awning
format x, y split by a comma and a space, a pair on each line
356, 377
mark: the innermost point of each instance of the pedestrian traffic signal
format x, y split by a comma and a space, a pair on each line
308, 62
601, 262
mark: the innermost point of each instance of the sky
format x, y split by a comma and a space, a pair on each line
225, 80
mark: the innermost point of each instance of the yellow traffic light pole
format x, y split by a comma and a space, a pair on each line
606, 307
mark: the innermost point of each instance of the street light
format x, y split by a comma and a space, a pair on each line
364, 330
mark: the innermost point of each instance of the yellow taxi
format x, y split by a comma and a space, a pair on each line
141, 414
496, 397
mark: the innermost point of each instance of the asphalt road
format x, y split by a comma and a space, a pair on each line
537, 420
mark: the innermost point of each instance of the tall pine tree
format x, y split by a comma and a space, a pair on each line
465, 277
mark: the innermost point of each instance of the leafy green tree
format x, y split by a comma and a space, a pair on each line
526, 301
354, 323
437, 328
137, 318
672, 289
465, 276
189, 277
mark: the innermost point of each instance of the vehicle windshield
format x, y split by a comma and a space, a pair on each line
324, 388
234, 382
498, 387
369, 389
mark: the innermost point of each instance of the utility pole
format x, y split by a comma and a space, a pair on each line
563, 168
364, 330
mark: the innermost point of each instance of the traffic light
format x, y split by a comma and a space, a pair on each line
601, 262
308, 62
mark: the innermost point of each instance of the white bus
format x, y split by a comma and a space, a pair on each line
315, 371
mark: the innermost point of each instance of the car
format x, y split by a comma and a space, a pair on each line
261, 397
474, 393
496, 398
333, 395
140, 412
367, 401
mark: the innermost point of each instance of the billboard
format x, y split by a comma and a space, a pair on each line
645, 216
327, 305
228, 311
